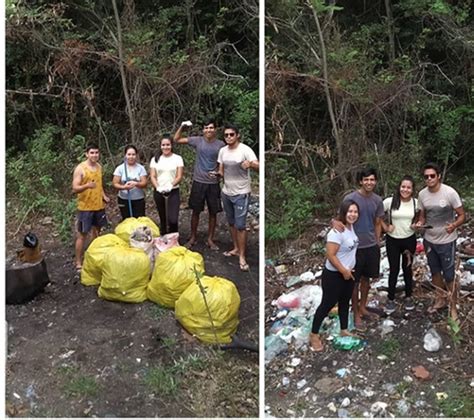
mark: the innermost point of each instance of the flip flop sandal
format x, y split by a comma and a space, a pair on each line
213, 247
360, 327
244, 267
229, 254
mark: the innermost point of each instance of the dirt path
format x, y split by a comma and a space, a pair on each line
72, 354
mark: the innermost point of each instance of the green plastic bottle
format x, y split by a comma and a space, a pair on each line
348, 343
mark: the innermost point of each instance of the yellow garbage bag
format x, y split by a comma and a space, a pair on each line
125, 228
125, 275
173, 273
91, 272
223, 301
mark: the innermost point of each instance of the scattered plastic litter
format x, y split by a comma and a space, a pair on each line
343, 414
281, 269
348, 343
285, 381
292, 280
274, 345
441, 395
307, 276
295, 361
387, 327
403, 407
378, 408
342, 372
345, 402
332, 407
301, 384
432, 340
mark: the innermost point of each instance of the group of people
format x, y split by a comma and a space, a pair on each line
229, 160
353, 247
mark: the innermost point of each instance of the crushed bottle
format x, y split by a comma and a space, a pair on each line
348, 343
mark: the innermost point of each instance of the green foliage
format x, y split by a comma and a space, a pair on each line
454, 328
289, 203
162, 380
460, 400
389, 347
36, 181
82, 386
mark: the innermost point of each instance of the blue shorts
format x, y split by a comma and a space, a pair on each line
441, 258
236, 208
87, 219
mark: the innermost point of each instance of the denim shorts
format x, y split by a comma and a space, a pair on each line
236, 208
441, 258
87, 219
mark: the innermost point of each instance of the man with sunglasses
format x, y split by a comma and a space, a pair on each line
235, 161
205, 187
441, 210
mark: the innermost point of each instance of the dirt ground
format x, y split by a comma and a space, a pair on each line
378, 381
72, 354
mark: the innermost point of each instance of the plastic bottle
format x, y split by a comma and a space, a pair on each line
348, 343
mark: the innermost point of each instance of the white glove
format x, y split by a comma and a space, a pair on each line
186, 124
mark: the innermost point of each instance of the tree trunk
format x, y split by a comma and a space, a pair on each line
335, 129
123, 75
390, 30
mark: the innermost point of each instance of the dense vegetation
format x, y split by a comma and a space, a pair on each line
116, 72
351, 83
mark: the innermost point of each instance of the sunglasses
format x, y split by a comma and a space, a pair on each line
429, 176
229, 134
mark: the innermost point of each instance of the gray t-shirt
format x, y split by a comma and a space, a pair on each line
236, 179
206, 158
346, 253
370, 207
439, 211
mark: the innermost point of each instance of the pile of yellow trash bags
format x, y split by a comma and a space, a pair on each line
207, 308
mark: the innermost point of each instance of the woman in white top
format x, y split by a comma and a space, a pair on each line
130, 179
337, 279
166, 172
401, 210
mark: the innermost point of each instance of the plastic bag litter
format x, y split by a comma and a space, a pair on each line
223, 301
91, 272
432, 340
125, 228
125, 275
308, 297
173, 274
165, 242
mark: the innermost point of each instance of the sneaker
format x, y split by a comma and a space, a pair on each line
409, 304
390, 307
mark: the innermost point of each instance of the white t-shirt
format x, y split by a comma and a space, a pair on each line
166, 168
401, 218
134, 173
236, 179
346, 253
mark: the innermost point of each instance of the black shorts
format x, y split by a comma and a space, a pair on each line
86, 219
205, 193
367, 263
